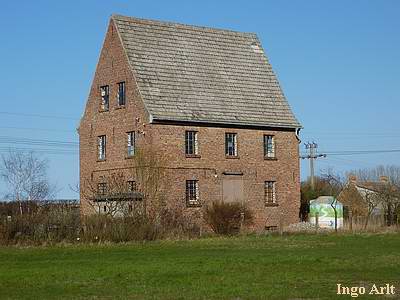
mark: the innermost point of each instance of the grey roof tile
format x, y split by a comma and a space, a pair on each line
200, 74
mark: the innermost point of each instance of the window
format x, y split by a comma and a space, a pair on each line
269, 146
102, 188
269, 190
231, 144
131, 143
105, 97
192, 192
101, 147
131, 185
191, 145
121, 94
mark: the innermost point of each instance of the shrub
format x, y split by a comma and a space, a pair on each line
38, 222
51, 222
177, 224
227, 218
167, 223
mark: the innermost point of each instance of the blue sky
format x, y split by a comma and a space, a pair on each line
337, 61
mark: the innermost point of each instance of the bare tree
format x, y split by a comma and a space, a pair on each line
386, 192
371, 198
25, 174
390, 192
389, 198
112, 195
149, 171
392, 172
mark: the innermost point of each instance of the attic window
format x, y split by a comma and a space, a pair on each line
105, 96
121, 94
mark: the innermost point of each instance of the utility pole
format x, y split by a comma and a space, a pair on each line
311, 156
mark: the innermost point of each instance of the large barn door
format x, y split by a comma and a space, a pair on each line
232, 189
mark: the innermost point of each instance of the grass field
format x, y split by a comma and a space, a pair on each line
251, 267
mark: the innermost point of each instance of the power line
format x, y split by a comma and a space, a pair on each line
36, 142
361, 152
355, 133
38, 116
357, 138
38, 150
37, 129
347, 162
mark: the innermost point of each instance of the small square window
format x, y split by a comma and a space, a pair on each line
192, 193
269, 146
269, 191
230, 144
102, 188
131, 186
105, 97
191, 145
121, 94
101, 147
131, 143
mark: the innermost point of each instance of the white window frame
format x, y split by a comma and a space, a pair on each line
231, 137
191, 142
192, 193
105, 97
101, 147
270, 190
131, 186
102, 188
131, 143
121, 94
269, 146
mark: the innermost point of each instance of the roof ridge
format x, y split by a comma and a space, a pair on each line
190, 26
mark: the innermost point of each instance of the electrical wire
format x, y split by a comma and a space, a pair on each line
37, 129
38, 116
36, 142
38, 150
357, 152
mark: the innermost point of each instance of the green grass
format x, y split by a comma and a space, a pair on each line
251, 267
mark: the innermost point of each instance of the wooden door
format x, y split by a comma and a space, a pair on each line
232, 189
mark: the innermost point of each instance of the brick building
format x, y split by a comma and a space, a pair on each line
204, 99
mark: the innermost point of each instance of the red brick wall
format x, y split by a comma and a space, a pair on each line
112, 68
169, 141
256, 170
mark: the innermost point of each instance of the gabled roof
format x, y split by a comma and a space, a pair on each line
198, 74
376, 186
